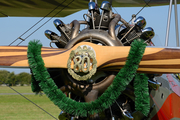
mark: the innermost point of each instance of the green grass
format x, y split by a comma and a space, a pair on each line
16, 107
21, 89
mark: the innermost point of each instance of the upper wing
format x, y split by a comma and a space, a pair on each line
40, 8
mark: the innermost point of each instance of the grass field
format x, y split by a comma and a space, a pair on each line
15, 107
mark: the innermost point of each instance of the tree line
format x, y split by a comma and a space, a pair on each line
12, 79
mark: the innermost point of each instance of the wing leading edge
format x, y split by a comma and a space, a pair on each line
40, 8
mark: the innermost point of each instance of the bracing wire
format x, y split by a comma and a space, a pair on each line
37, 23
115, 10
45, 22
147, 3
4, 14
144, 6
29, 100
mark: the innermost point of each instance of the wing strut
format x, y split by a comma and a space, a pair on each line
176, 23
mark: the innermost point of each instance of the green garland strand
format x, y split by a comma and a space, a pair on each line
141, 91
123, 78
35, 85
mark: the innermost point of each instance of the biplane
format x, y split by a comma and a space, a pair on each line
108, 70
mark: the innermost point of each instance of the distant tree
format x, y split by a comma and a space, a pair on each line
12, 81
24, 78
4, 76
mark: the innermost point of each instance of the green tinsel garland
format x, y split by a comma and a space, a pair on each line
141, 92
47, 85
35, 85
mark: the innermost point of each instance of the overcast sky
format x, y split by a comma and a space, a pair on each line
156, 17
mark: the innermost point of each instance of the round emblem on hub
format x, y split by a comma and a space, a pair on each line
82, 63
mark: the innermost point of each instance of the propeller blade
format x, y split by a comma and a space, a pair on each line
155, 60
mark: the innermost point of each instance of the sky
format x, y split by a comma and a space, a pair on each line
156, 17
